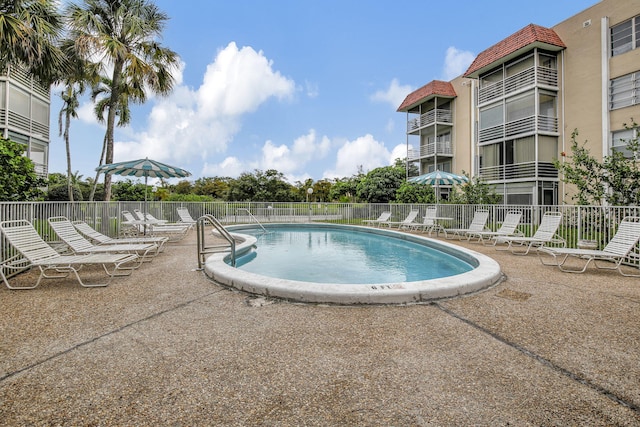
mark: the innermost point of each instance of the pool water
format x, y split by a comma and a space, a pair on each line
341, 256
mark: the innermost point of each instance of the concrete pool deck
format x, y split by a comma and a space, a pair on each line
167, 346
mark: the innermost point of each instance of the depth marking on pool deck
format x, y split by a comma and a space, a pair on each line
383, 287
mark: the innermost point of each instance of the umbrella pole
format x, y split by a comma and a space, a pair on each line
146, 208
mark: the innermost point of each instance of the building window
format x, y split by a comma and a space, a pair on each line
547, 61
442, 167
521, 150
40, 112
624, 91
520, 66
492, 78
38, 154
16, 137
625, 36
491, 117
547, 148
521, 107
490, 161
620, 140
19, 101
547, 104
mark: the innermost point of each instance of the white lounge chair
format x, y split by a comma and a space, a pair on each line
407, 222
136, 227
155, 222
148, 217
544, 235
382, 219
616, 251
35, 252
478, 225
185, 217
78, 244
428, 221
509, 227
102, 239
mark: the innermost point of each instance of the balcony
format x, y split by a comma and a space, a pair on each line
429, 118
440, 148
519, 171
23, 124
531, 124
41, 170
534, 76
20, 76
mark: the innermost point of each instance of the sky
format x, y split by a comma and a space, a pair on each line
309, 88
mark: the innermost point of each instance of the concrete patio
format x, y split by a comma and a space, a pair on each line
167, 346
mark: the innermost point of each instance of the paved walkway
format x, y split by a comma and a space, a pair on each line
168, 347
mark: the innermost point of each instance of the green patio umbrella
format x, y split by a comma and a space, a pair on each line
438, 178
143, 168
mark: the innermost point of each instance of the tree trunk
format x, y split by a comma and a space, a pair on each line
111, 121
95, 181
67, 124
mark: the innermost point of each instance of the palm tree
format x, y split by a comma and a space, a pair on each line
79, 75
69, 110
101, 95
29, 32
119, 34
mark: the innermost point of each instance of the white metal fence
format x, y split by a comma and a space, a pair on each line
595, 223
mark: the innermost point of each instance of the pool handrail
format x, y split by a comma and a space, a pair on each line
252, 217
202, 249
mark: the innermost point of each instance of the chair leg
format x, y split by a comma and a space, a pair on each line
67, 270
562, 267
87, 285
617, 266
6, 282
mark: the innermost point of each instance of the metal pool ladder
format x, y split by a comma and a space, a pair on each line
253, 218
203, 249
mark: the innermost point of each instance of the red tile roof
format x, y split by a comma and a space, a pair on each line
526, 36
433, 88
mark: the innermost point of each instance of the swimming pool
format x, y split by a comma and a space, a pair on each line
333, 255
398, 279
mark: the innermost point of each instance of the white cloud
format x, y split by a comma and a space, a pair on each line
238, 82
87, 115
394, 94
231, 166
197, 123
398, 152
290, 160
456, 62
363, 152
312, 89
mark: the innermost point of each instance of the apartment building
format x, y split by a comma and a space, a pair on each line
513, 111
24, 114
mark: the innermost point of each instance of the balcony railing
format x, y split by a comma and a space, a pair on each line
541, 76
39, 128
440, 148
531, 124
24, 124
429, 118
19, 75
518, 171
